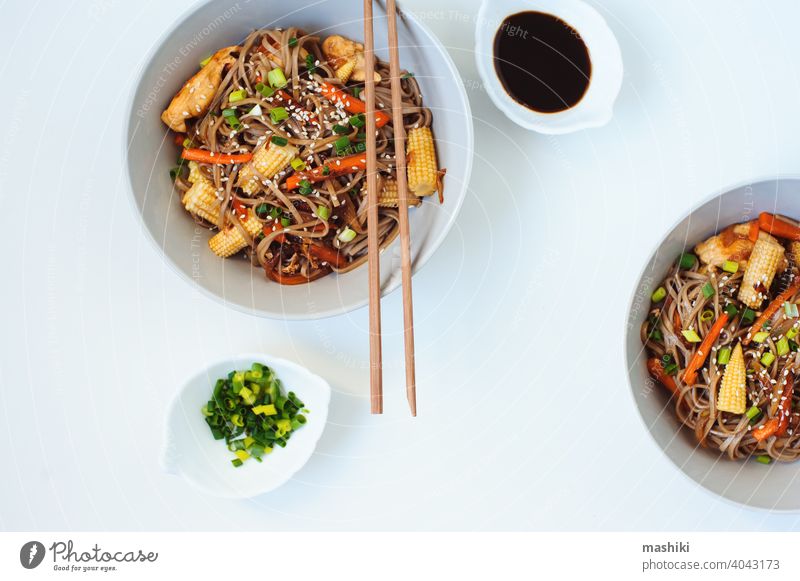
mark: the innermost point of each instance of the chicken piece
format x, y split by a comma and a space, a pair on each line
343, 54
731, 244
195, 97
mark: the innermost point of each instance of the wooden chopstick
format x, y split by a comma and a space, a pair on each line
373, 252
402, 196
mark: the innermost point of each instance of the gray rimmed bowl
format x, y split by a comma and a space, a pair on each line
150, 153
773, 487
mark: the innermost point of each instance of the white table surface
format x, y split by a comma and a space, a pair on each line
526, 421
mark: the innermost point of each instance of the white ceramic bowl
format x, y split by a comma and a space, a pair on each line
776, 486
597, 105
191, 451
150, 154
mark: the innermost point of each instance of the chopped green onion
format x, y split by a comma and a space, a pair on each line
298, 164
279, 141
706, 315
278, 114
671, 369
326, 170
256, 111
656, 335
790, 309
361, 147
793, 346
342, 145
323, 212
285, 222
232, 119
237, 96
730, 266
763, 459
262, 210
187, 143
236, 462
347, 235
408, 75
748, 315
708, 290
724, 355
175, 172
206, 60
691, 336
274, 213
767, 358
731, 309
666, 359
687, 260
277, 79
659, 294
357, 92
753, 413
358, 120
293, 42
782, 346
265, 90
760, 337
341, 129
792, 333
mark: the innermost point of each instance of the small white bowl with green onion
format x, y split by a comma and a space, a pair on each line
244, 426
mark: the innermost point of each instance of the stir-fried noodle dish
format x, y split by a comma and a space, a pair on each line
273, 152
722, 337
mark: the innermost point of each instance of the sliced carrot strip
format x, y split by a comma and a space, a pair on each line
699, 358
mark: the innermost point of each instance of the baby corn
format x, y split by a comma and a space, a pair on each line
201, 200
733, 390
344, 72
268, 161
423, 173
195, 175
761, 268
231, 240
388, 197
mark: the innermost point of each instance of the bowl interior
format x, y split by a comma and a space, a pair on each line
150, 153
773, 487
192, 452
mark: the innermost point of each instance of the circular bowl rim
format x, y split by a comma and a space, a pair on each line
417, 262
632, 295
248, 355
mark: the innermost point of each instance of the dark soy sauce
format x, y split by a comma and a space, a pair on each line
542, 61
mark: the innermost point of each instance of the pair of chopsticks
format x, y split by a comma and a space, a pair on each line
375, 353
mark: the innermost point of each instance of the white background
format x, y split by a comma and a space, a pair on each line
525, 417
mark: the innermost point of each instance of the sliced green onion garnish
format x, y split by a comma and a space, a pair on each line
341, 129
342, 145
175, 172
306, 188
347, 235
656, 335
408, 75
724, 355
793, 346
262, 210
236, 462
753, 413
730, 266
298, 164
361, 147
731, 310
358, 120
357, 92
782, 346
206, 60
706, 315
277, 79
231, 118
708, 290
279, 141
763, 459
760, 337
671, 369
687, 260
256, 111
659, 294
691, 336
293, 42
792, 333
265, 90
767, 358
274, 212
285, 222
323, 212
278, 114
237, 96
790, 309
748, 315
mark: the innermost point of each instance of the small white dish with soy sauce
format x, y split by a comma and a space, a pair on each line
553, 66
